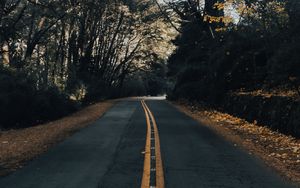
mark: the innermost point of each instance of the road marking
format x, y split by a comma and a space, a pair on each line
152, 162
146, 172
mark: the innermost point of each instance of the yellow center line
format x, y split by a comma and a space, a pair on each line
146, 172
159, 166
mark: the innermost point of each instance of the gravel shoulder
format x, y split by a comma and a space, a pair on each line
19, 146
280, 152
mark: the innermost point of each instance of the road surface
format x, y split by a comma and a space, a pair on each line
144, 144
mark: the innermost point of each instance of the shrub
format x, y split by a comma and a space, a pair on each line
23, 105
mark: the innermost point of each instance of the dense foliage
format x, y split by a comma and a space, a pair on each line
257, 48
22, 105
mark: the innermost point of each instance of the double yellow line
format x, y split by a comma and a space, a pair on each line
147, 161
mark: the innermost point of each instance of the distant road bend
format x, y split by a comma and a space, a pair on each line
145, 143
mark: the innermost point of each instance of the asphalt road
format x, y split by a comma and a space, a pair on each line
110, 154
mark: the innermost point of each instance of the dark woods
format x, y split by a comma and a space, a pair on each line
254, 47
242, 57
56, 55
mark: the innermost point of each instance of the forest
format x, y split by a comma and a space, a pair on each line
241, 57
255, 49
56, 57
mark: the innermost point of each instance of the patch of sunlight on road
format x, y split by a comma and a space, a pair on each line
160, 97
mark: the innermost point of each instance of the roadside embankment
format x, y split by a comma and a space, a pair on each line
280, 113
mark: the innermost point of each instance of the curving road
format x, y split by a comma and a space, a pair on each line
113, 153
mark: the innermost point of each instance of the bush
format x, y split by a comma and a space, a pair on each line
98, 90
22, 105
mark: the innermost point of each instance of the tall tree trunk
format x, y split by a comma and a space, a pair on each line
5, 54
293, 9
